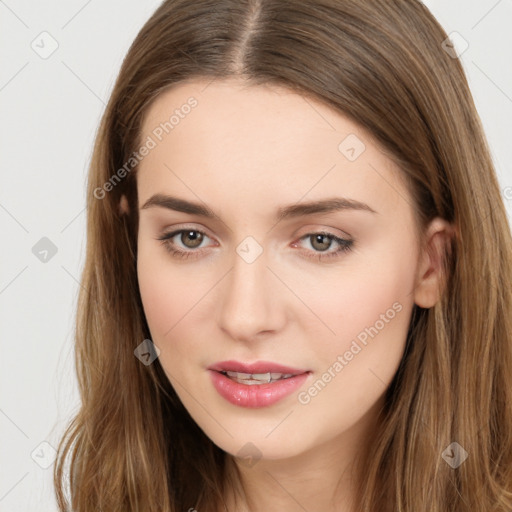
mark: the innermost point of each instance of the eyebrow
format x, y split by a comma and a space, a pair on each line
294, 210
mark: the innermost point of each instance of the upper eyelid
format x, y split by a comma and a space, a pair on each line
342, 234
173, 232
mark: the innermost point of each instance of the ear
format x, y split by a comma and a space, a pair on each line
429, 277
123, 205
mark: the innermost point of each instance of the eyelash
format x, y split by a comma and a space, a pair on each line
345, 245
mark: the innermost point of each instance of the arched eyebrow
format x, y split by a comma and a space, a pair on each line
328, 205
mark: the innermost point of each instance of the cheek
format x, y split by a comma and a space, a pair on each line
157, 298
165, 292
367, 301
177, 303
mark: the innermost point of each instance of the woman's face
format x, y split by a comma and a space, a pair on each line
257, 280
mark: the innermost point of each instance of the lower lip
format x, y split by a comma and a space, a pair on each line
255, 395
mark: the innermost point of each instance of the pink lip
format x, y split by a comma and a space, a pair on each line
257, 367
257, 395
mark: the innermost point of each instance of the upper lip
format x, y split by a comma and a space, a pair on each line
257, 367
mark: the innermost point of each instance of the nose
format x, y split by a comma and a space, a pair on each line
251, 300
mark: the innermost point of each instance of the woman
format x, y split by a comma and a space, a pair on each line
296, 290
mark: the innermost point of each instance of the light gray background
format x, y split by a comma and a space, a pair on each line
49, 110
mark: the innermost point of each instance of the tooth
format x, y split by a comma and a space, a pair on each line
257, 378
261, 376
239, 375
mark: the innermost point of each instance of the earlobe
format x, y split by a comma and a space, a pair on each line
123, 206
429, 276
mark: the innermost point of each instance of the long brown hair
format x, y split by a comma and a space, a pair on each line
133, 446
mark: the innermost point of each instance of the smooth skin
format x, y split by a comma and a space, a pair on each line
246, 151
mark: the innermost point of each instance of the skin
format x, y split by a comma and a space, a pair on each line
245, 152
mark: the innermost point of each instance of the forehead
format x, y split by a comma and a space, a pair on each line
259, 142
233, 110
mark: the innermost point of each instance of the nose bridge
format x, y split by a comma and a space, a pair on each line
249, 304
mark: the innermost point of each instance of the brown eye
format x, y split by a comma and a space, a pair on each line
320, 241
191, 239
184, 243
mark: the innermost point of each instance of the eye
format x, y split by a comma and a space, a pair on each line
323, 241
191, 239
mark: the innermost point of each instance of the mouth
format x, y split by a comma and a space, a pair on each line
258, 373
256, 385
